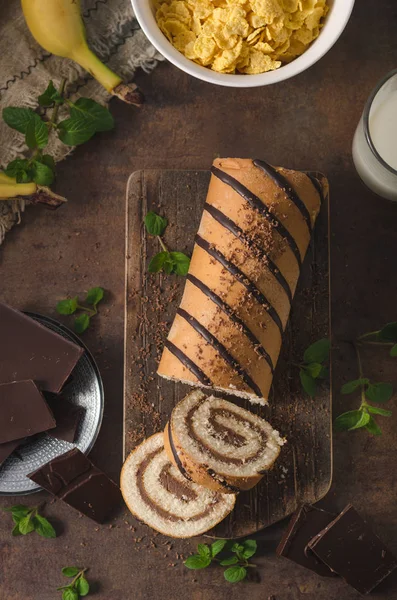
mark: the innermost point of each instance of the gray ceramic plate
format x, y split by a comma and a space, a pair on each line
85, 389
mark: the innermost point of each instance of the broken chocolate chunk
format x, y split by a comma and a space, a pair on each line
305, 523
7, 449
75, 480
349, 547
28, 350
23, 411
67, 417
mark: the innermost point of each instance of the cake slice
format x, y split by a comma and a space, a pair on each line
220, 445
157, 494
253, 237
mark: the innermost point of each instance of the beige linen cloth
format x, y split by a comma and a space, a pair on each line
25, 70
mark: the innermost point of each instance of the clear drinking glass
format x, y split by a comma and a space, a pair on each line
375, 140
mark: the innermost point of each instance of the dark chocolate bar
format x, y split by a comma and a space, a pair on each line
305, 523
73, 478
67, 417
23, 411
28, 350
350, 548
7, 449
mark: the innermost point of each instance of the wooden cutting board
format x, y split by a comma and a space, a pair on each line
303, 472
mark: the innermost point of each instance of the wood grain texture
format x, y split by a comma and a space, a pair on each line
304, 470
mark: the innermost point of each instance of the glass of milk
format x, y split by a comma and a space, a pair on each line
375, 140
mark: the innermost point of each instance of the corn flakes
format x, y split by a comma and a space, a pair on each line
241, 36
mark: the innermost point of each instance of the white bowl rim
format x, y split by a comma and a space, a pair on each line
335, 24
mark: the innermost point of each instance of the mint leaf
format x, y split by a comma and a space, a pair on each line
36, 135
232, 560
181, 263
43, 527
375, 410
70, 594
20, 169
18, 118
47, 159
379, 392
17, 509
217, 547
158, 261
76, 131
93, 113
50, 96
197, 562
351, 386
362, 421
81, 323
308, 383
347, 420
26, 525
324, 373
393, 351
70, 571
42, 174
155, 224
250, 547
203, 550
373, 427
67, 306
235, 574
388, 333
317, 352
94, 296
82, 586
16, 531
314, 369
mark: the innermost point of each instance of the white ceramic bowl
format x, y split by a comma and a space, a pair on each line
336, 21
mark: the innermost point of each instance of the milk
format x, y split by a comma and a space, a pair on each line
383, 129
380, 127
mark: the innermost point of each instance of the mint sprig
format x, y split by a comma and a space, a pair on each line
27, 520
69, 306
312, 368
86, 117
237, 562
370, 392
166, 261
78, 587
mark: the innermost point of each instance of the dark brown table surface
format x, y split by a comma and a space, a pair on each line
305, 123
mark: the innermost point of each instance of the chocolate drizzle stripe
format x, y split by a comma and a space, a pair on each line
317, 185
242, 278
222, 482
284, 184
223, 220
188, 363
259, 206
220, 348
233, 317
175, 454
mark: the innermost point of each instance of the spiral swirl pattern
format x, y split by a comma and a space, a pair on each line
160, 496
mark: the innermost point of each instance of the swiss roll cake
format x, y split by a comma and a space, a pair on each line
253, 236
220, 445
159, 495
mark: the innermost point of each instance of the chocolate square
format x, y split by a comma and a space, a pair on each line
23, 411
74, 479
305, 523
350, 548
28, 350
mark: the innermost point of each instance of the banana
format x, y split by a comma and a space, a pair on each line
37, 194
58, 27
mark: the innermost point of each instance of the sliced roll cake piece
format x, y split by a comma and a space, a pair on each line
160, 496
253, 237
220, 445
